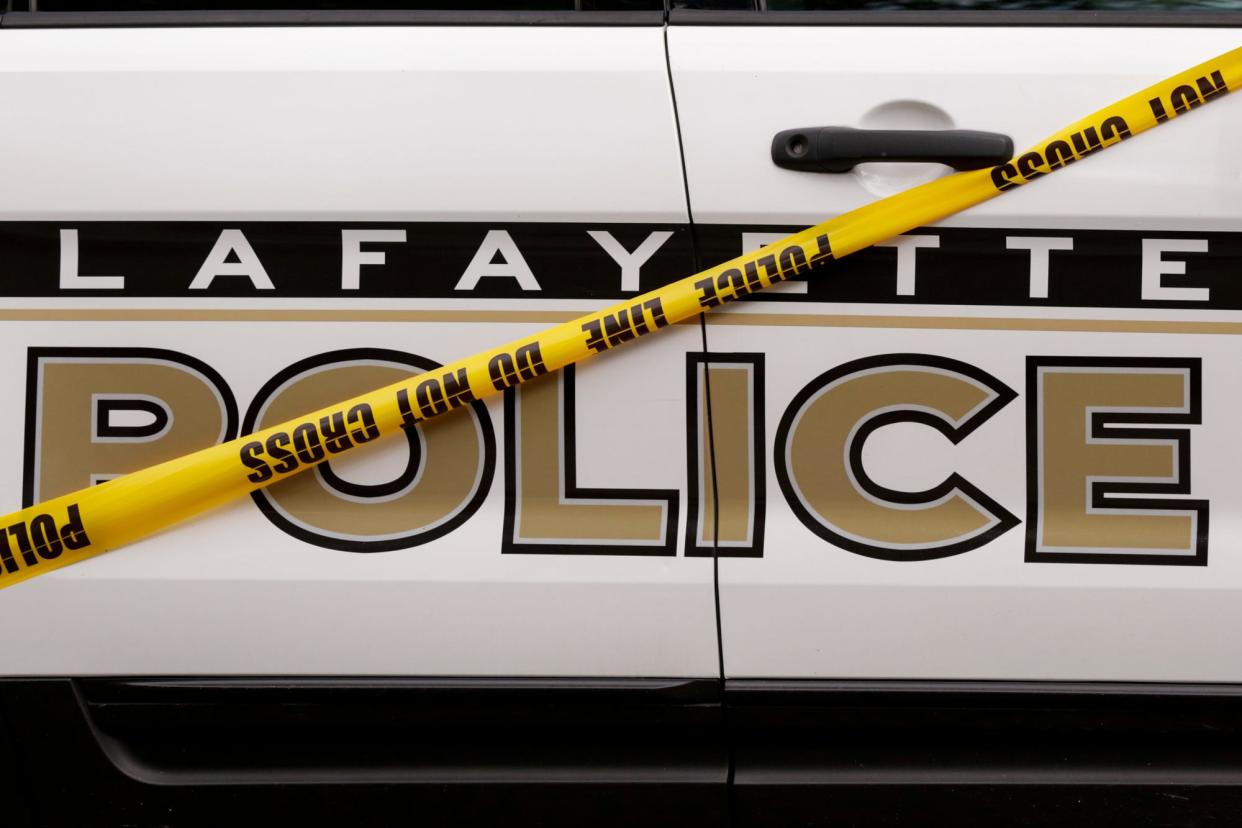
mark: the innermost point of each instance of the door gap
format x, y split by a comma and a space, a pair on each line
711, 439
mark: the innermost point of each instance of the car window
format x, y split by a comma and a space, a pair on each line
779, 7
997, 5
333, 5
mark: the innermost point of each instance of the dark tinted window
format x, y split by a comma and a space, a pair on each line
777, 6
333, 5
1004, 5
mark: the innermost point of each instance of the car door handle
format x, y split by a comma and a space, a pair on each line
838, 149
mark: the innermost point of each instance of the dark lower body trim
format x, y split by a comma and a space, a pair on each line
617, 751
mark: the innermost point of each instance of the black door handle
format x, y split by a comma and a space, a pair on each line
838, 149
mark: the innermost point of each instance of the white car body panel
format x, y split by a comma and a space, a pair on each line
350, 125
737, 86
809, 610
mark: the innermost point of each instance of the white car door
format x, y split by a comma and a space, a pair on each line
218, 225
1002, 447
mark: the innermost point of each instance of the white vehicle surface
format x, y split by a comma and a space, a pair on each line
942, 536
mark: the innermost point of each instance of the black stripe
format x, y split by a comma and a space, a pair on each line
972, 266
303, 259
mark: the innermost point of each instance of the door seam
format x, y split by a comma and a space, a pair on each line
711, 443
726, 729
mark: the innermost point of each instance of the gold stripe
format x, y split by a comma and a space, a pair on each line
999, 323
804, 320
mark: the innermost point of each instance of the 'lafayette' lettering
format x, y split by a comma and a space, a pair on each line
308, 443
970, 252
232, 252
366, 267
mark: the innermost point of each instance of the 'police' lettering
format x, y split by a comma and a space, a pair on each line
823, 250
43, 534
793, 259
707, 293
41, 539
734, 283
770, 269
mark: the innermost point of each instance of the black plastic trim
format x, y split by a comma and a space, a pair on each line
838, 149
620, 751
1180, 19
79, 20
371, 751
408, 731
17, 811
935, 753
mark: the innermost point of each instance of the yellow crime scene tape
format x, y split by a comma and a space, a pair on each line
82, 524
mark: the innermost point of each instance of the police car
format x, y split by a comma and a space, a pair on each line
946, 536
